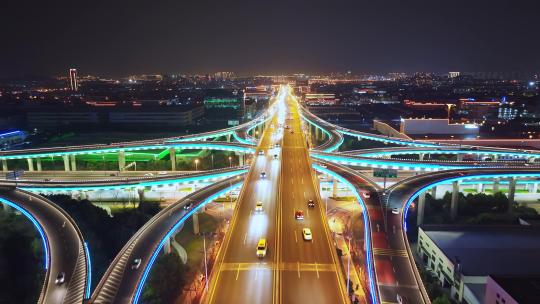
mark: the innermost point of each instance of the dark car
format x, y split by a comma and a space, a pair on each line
311, 203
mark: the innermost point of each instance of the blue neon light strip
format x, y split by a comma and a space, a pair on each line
316, 125
141, 184
11, 133
209, 146
367, 234
241, 140
384, 139
477, 152
385, 163
36, 224
171, 232
89, 271
449, 180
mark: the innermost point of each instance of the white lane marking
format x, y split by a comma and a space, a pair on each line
317, 270
304, 194
302, 180
295, 237
237, 272
292, 180
245, 238
256, 273
298, 267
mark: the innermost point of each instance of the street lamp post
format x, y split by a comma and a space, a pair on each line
196, 164
205, 263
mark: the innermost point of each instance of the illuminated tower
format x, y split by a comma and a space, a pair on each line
73, 80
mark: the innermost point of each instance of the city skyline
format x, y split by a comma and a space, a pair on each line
249, 38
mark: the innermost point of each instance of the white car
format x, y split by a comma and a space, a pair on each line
263, 174
149, 174
395, 211
261, 152
306, 234
259, 206
136, 264
366, 194
162, 173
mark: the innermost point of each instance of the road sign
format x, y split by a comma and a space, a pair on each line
388, 173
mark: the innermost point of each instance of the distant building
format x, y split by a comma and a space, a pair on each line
436, 126
462, 258
223, 75
73, 81
473, 108
453, 74
317, 99
12, 138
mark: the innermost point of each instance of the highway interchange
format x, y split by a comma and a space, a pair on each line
293, 270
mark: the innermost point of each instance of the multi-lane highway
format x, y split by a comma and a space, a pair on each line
293, 270
239, 276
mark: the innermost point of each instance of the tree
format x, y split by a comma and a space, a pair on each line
442, 300
166, 280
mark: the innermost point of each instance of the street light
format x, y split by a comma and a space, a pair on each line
196, 164
230, 162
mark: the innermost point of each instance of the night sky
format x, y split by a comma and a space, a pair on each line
118, 38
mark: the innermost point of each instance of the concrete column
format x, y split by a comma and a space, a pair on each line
140, 191
228, 137
172, 154
534, 188
420, 210
421, 156
335, 188
240, 158
531, 159
317, 137
73, 163
4, 165
121, 160
460, 157
434, 192
83, 195
30, 164
495, 157
495, 185
66, 162
38, 162
196, 223
167, 246
480, 188
454, 202
511, 193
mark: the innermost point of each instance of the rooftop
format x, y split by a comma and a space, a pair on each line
489, 250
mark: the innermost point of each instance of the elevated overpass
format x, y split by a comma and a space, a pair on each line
63, 246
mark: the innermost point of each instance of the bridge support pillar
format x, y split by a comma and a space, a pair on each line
240, 158
30, 164
66, 162
82, 195
196, 228
511, 194
140, 191
454, 202
4, 165
317, 135
167, 246
73, 162
421, 156
172, 154
38, 163
534, 188
495, 185
334, 188
531, 159
228, 137
480, 188
460, 157
495, 157
121, 160
420, 210
434, 192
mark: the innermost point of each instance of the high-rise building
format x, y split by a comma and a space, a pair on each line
73, 83
453, 74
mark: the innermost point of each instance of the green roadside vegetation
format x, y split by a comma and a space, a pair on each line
21, 259
105, 234
169, 276
350, 143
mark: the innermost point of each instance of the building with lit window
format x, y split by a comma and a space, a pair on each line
73, 82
